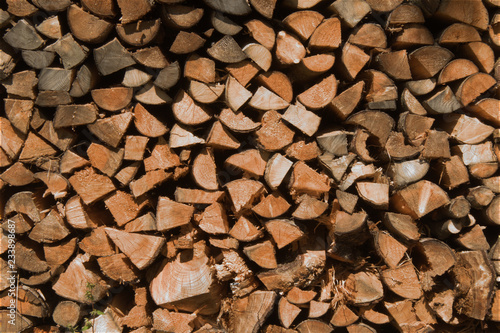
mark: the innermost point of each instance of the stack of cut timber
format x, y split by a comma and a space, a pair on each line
250, 165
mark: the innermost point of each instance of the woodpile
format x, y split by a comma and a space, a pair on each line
250, 166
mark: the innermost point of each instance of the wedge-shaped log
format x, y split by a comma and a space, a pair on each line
171, 214
73, 283
142, 250
419, 199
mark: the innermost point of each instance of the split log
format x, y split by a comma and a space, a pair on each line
481, 54
172, 321
474, 239
319, 95
326, 36
403, 281
263, 254
353, 60
187, 111
429, 248
457, 69
289, 49
205, 93
473, 154
375, 194
30, 257
133, 245
303, 23
23, 36
454, 173
271, 206
112, 129
403, 314
492, 211
243, 71
85, 80
97, 243
146, 123
273, 134
477, 296
12, 141
106, 160
264, 99
351, 13
387, 60
50, 229
21, 84
80, 22
252, 162
369, 35
311, 325
162, 157
236, 95
427, 61
195, 196
405, 14
168, 76
171, 214
287, 312
309, 208
364, 288
436, 145
60, 252
304, 268
227, 50
419, 199
50, 27
151, 57
237, 121
345, 224
244, 230
74, 115
214, 220
17, 175
374, 316
262, 32
181, 17
305, 180
343, 316
72, 284
387, 247
480, 197
259, 54
134, 78
38, 59
91, 186
318, 309
250, 313
112, 57
151, 94
219, 138
444, 101
284, 232
186, 284
476, 13
224, 24
473, 86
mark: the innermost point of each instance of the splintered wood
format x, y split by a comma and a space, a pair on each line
250, 166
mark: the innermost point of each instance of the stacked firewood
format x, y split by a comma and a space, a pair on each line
250, 166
